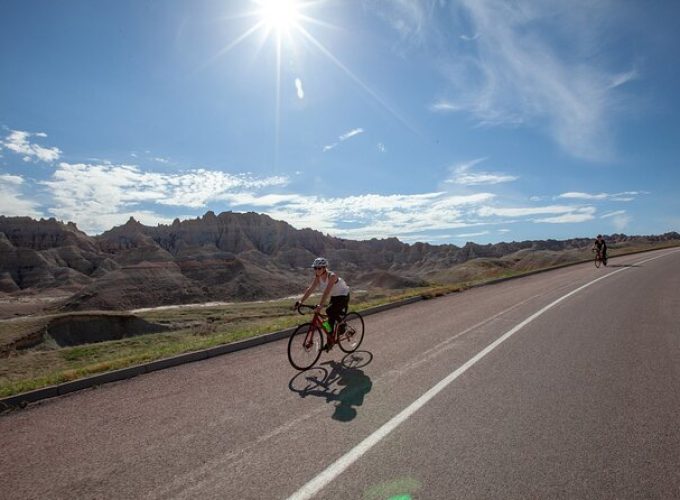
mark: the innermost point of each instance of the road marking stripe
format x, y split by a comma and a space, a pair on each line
337, 467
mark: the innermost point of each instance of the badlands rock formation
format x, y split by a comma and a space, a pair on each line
236, 256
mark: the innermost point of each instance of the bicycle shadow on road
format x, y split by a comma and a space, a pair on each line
344, 383
622, 265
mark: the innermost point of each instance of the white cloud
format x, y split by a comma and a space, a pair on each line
625, 196
12, 201
17, 142
95, 195
351, 133
471, 235
445, 106
612, 214
404, 216
581, 214
381, 147
374, 215
463, 175
343, 137
619, 219
533, 63
488, 211
267, 200
11, 180
584, 196
622, 78
563, 213
298, 89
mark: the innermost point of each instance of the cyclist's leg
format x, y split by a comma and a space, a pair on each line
344, 314
337, 308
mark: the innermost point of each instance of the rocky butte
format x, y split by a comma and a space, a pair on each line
237, 256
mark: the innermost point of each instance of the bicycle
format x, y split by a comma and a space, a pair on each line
308, 340
599, 260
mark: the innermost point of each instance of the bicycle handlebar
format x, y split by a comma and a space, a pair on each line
306, 306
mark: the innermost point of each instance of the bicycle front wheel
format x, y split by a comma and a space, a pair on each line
351, 338
304, 346
598, 261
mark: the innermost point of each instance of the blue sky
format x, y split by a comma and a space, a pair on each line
437, 121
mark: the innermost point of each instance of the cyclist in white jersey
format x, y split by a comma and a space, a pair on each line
335, 291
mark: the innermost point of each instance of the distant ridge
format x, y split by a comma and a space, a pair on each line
239, 256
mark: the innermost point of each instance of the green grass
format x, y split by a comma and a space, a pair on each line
193, 329
41, 366
209, 327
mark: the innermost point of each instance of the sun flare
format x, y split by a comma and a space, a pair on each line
280, 15
284, 24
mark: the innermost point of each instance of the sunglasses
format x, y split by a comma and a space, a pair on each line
317, 268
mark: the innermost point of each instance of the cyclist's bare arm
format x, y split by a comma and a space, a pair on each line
308, 292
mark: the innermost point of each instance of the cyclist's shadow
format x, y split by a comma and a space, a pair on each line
345, 383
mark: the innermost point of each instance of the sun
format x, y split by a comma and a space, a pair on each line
279, 15
285, 22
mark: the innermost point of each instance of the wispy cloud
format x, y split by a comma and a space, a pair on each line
351, 133
462, 174
624, 196
410, 19
373, 215
560, 213
381, 147
621, 78
445, 106
471, 235
250, 199
584, 196
612, 214
619, 219
18, 142
578, 215
12, 200
519, 73
344, 137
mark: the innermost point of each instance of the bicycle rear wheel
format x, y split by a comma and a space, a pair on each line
304, 346
351, 338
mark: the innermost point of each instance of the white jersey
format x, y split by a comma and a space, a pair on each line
340, 287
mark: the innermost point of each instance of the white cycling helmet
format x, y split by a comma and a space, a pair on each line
320, 262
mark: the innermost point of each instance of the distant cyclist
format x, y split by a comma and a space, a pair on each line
601, 246
333, 288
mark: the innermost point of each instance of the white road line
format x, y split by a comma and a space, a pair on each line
336, 468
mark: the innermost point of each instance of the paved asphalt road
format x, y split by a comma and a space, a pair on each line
529, 396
